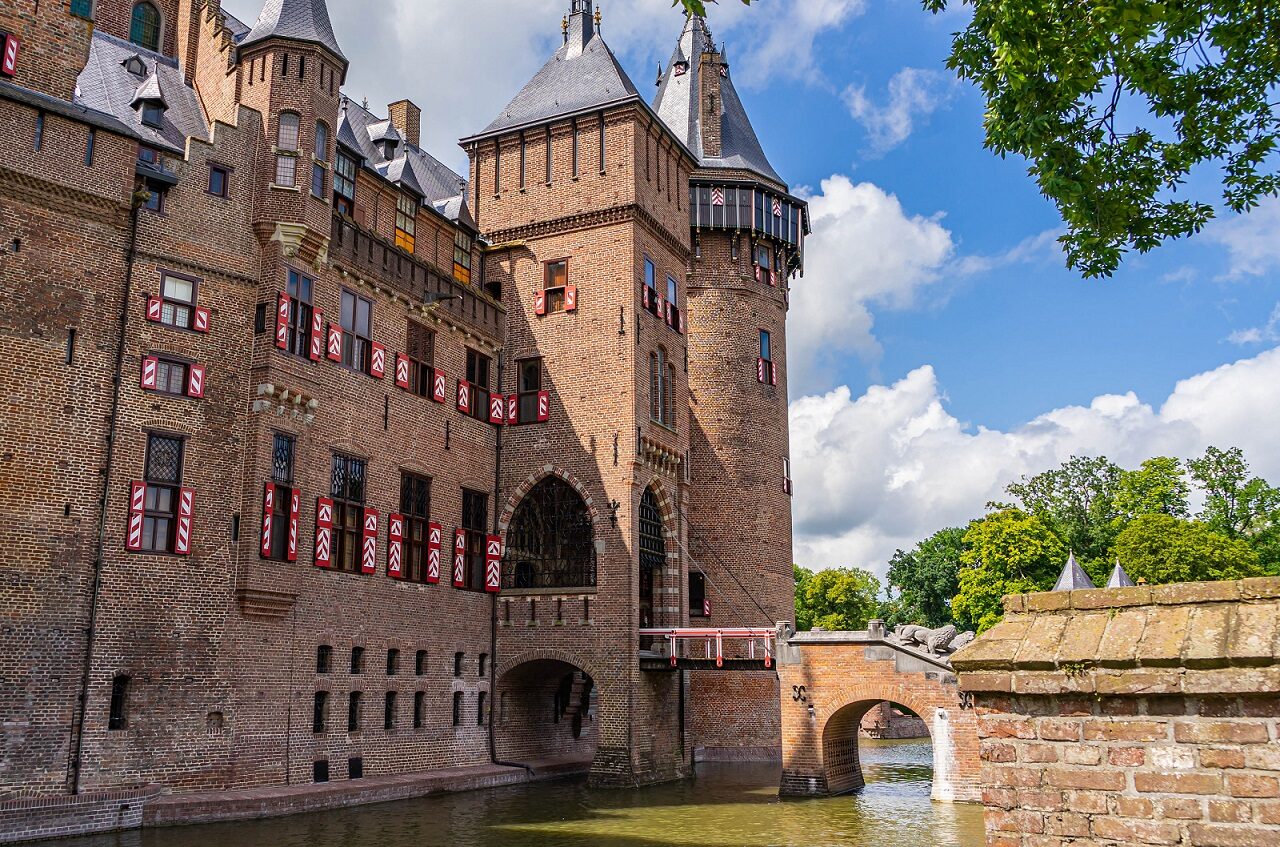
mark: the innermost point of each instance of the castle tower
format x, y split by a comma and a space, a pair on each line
580, 189
747, 233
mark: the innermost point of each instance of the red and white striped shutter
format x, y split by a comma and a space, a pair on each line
324, 531
395, 545
464, 397
149, 366
571, 298
334, 345
759, 273
497, 409
492, 563
195, 381
644, 295
706, 608
282, 320
760, 366
460, 558
680, 321
439, 386
295, 509
317, 334
666, 311
786, 485
369, 556
773, 277
402, 371
155, 309
268, 513
186, 509
377, 360
513, 409
773, 373
544, 406
660, 301
540, 303
137, 510
435, 537
202, 319
9, 61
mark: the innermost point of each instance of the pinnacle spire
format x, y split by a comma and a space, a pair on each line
1073, 576
296, 20
582, 27
1119, 579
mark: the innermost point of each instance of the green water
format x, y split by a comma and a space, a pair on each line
726, 805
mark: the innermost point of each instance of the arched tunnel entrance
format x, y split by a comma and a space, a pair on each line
841, 755
546, 712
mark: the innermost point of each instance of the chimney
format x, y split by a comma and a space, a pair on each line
407, 119
581, 28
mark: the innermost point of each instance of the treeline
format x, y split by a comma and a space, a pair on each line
1090, 506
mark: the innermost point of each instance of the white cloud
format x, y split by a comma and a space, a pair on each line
891, 467
914, 93
785, 33
1252, 240
1268, 332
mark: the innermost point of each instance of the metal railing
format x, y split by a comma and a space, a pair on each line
746, 639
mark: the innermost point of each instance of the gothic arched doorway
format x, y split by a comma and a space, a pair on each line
551, 541
653, 556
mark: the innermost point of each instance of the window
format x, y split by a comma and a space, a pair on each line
457, 663
356, 331
347, 491
300, 289
320, 770
763, 257
163, 477
344, 185
355, 767
575, 150
457, 708
393, 662
406, 217
673, 291
602, 142
421, 350
482, 664
88, 147
551, 541
524, 155
420, 663
475, 519
733, 248
155, 199
324, 658
321, 156
528, 386
389, 711
82, 8
661, 382
651, 285
480, 698
39, 138
555, 276
548, 153
415, 505
357, 660
697, 594
219, 177
419, 709
353, 711
478, 375
497, 167
282, 449
766, 346
171, 377
462, 257
178, 296
320, 712
117, 717
144, 26
152, 113
287, 148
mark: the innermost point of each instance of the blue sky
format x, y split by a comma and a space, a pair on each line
938, 347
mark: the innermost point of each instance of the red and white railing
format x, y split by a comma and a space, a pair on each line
748, 639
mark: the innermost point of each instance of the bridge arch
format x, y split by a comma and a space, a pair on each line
545, 712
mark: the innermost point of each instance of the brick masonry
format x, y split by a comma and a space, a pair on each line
1146, 715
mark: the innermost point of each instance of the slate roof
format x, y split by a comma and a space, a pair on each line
1073, 577
106, 86
411, 166
1119, 579
239, 29
296, 20
679, 97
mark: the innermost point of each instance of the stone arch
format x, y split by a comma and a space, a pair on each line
545, 707
668, 510
522, 490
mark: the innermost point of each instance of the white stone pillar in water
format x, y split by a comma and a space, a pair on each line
944, 758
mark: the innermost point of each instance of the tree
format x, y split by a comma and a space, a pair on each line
699, 7
1007, 552
1161, 549
927, 578
835, 599
1159, 487
1077, 501
1235, 505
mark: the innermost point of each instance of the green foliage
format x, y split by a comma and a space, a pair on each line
1161, 549
699, 7
926, 578
1077, 501
1007, 552
1159, 487
835, 599
1235, 505
1114, 105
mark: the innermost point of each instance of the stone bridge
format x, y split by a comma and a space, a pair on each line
829, 680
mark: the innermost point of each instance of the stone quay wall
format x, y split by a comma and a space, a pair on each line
1143, 715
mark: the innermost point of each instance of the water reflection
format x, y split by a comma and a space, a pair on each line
724, 806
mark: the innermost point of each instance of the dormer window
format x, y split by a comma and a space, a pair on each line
152, 114
135, 65
388, 148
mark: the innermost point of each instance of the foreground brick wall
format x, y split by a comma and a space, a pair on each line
1131, 716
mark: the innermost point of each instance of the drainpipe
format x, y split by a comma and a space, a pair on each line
113, 422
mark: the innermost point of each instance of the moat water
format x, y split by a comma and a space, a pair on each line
725, 805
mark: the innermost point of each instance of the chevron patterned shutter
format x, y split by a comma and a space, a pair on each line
571, 298
402, 371
464, 397
369, 554
317, 334
324, 531
377, 360
497, 409
460, 558
186, 511
544, 406
268, 511
493, 563
295, 510
202, 319
645, 295
282, 320
149, 367
335, 343
439, 386
137, 511
195, 381
395, 545
540, 303
155, 309
513, 409
435, 537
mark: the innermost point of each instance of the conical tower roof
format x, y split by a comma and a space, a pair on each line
679, 101
1073, 577
1119, 579
296, 20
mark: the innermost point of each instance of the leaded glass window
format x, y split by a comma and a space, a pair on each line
551, 541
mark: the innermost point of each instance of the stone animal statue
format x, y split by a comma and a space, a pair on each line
937, 642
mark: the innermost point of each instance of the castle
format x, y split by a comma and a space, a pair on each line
323, 462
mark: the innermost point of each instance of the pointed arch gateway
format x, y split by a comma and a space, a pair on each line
551, 539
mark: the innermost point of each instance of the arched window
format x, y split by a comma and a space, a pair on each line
551, 542
653, 549
661, 380
287, 145
321, 155
287, 132
144, 26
